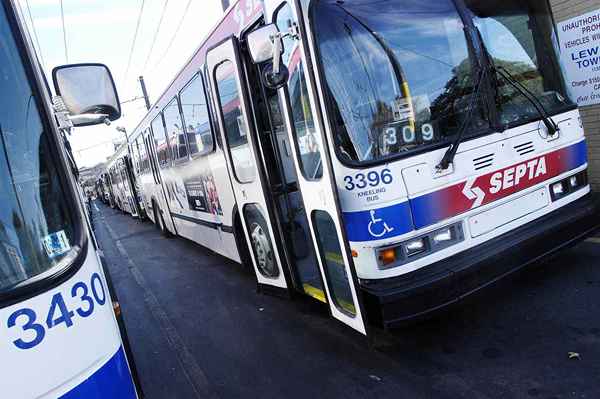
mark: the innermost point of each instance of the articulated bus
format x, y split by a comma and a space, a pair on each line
59, 328
122, 183
388, 158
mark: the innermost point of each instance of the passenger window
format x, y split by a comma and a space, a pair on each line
333, 262
195, 116
175, 132
234, 123
160, 141
139, 142
304, 125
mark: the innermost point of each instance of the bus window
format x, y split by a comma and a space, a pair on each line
37, 227
143, 155
195, 116
304, 125
135, 155
333, 262
174, 128
234, 122
518, 36
160, 141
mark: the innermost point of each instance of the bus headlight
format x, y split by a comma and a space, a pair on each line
558, 189
415, 247
418, 247
568, 185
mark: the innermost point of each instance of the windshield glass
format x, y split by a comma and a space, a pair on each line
36, 229
399, 74
519, 36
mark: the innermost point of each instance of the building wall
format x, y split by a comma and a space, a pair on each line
565, 9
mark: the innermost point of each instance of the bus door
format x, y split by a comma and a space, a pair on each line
246, 175
314, 174
282, 180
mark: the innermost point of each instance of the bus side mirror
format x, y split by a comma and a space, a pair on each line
264, 44
261, 43
88, 93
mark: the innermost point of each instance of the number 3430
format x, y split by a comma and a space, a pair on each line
33, 331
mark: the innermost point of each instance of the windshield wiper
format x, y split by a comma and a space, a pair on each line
450, 153
524, 91
537, 104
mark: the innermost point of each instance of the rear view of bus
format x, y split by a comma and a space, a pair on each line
458, 151
58, 332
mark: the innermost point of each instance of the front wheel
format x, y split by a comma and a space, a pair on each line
263, 251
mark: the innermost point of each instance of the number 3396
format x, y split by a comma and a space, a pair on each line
33, 331
372, 179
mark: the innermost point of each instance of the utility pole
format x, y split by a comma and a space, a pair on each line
145, 92
225, 4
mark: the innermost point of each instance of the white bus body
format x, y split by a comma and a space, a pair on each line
334, 182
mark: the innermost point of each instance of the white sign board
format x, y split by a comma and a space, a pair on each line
579, 40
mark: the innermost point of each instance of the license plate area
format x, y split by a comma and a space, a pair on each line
494, 218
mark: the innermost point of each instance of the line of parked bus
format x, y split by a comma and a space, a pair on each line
385, 158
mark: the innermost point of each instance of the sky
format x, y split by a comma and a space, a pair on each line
103, 31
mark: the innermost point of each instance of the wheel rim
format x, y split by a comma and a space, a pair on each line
262, 250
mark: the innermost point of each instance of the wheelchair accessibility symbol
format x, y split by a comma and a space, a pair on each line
377, 227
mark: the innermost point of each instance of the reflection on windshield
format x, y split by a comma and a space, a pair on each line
518, 35
399, 74
35, 227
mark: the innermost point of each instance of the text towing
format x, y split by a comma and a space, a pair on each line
59, 333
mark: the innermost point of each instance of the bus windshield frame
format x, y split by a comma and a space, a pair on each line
392, 113
52, 175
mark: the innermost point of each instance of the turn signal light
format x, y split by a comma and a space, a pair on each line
387, 256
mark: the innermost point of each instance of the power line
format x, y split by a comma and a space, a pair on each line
35, 35
162, 15
62, 17
172, 40
137, 28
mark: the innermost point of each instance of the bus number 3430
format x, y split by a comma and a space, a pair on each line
34, 331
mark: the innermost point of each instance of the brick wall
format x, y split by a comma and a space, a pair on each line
565, 9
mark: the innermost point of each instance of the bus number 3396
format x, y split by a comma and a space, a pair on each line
372, 179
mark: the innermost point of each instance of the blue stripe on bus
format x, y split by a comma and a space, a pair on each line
378, 224
112, 380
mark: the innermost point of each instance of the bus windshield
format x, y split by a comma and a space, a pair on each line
400, 74
36, 228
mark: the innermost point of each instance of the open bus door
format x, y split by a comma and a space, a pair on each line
316, 181
237, 134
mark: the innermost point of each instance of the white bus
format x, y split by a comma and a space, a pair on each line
59, 328
388, 158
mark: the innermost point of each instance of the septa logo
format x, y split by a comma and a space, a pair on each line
512, 176
505, 181
473, 193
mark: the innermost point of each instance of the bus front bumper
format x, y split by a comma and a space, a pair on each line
393, 302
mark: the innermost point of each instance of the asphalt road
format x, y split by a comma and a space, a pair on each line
198, 329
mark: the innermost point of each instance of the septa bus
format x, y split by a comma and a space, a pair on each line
59, 331
388, 158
